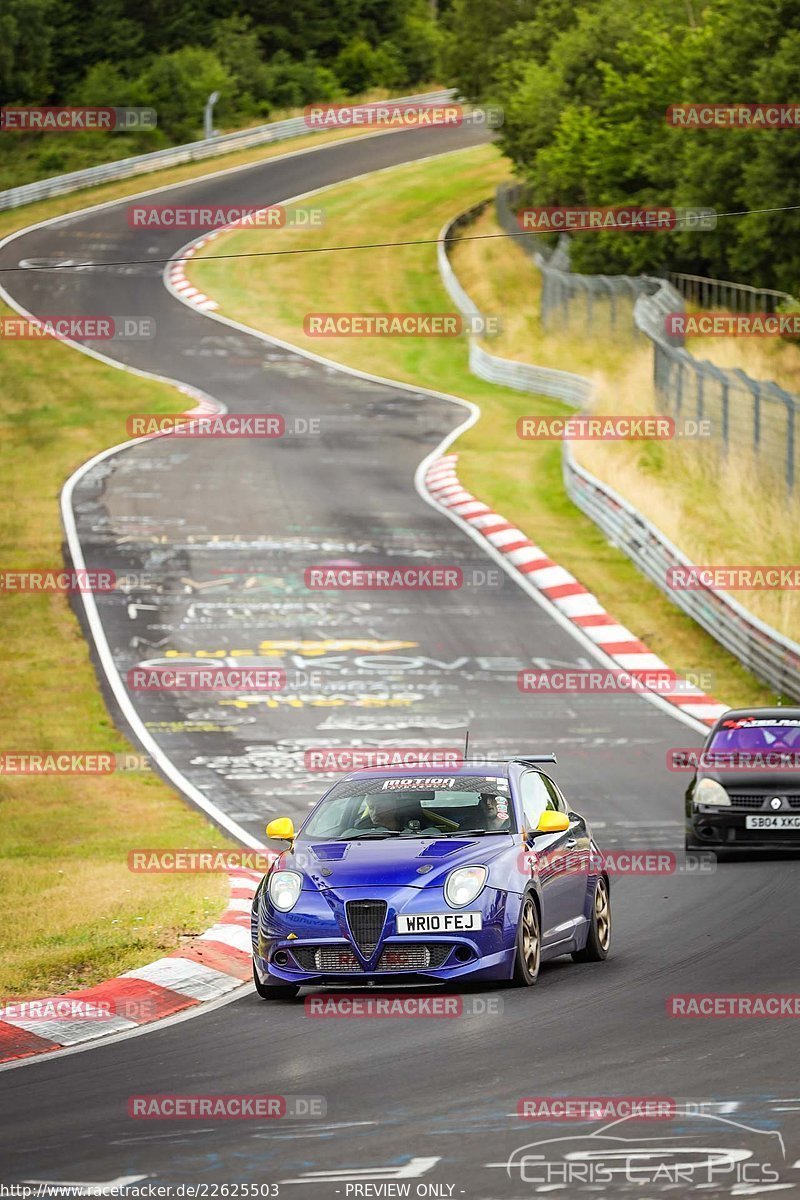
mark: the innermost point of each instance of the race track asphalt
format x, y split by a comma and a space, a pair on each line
219, 534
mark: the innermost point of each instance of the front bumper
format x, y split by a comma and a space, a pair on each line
324, 951
726, 828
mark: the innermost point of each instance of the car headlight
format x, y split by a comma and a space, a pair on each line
708, 791
284, 889
463, 885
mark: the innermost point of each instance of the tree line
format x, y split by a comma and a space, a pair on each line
171, 54
584, 85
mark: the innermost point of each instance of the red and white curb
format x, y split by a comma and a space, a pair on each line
182, 285
216, 962
176, 275
563, 590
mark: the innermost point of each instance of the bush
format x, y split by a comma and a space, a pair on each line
359, 67
177, 85
291, 84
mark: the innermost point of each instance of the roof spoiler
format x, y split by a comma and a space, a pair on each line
523, 758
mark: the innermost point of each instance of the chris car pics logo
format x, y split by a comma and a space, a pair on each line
700, 1150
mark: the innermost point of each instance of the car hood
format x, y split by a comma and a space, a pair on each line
394, 862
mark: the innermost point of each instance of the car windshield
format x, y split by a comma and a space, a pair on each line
405, 806
743, 735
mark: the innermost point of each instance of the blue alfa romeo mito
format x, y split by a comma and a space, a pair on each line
407, 878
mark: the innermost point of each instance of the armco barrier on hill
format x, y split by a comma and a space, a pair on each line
172, 156
771, 657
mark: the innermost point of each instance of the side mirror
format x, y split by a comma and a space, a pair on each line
552, 822
281, 829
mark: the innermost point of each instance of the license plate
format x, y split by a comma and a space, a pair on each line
771, 821
439, 922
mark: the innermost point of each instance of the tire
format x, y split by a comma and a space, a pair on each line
598, 942
278, 991
528, 955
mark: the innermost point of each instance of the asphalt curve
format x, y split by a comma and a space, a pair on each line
218, 535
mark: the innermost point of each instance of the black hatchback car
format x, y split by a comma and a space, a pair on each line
745, 793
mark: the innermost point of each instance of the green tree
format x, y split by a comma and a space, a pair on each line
177, 85
25, 51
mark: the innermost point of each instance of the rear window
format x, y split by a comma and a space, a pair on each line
748, 735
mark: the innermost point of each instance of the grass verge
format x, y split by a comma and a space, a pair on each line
73, 913
522, 480
723, 511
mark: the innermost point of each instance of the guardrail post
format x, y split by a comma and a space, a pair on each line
699, 399
791, 409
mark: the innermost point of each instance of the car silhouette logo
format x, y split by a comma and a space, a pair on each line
696, 1150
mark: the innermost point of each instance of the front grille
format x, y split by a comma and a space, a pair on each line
306, 957
751, 801
334, 960
366, 920
340, 960
413, 957
748, 801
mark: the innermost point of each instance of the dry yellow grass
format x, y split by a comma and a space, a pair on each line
718, 511
761, 358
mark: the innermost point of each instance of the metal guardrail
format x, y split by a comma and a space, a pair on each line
772, 657
753, 415
172, 156
724, 294
522, 377
611, 296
